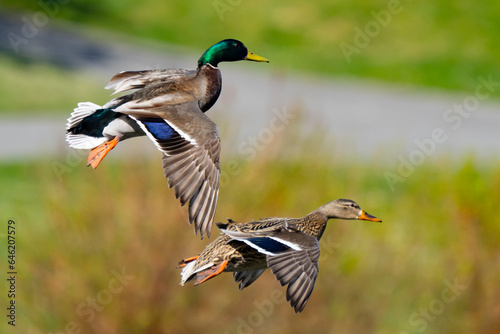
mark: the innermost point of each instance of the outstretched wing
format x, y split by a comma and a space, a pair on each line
298, 269
291, 255
191, 146
128, 80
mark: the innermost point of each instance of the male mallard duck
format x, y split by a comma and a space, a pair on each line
168, 106
289, 246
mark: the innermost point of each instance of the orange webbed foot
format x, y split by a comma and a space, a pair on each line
98, 153
205, 275
183, 263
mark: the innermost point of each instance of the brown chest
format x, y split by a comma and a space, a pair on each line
209, 83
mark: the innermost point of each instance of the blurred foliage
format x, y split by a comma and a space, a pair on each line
76, 228
39, 88
445, 43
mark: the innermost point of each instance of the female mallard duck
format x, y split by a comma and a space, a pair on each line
168, 106
289, 246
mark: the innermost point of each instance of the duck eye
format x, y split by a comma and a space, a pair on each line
353, 205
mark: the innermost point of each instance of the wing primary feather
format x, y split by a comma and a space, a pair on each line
246, 277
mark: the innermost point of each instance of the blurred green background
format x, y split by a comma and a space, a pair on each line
77, 230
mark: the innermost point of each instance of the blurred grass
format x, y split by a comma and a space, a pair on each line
39, 88
72, 232
441, 44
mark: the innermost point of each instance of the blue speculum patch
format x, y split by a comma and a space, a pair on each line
269, 245
158, 128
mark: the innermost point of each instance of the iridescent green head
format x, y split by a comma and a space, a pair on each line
228, 50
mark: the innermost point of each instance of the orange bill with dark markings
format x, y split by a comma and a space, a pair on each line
366, 216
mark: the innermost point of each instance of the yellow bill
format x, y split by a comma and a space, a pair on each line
253, 57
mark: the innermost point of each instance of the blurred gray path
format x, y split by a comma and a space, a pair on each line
259, 102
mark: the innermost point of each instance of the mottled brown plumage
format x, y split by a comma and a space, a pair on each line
289, 246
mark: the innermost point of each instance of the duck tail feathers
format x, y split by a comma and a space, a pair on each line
83, 110
187, 272
190, 271
81, 141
